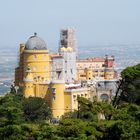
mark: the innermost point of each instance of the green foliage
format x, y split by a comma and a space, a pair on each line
124, 125
131, 86
36, 109
28, 119
13, 119
87, 110
77, 128
10, 110
47, 130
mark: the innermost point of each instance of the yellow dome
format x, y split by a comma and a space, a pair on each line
69, 49
63, 49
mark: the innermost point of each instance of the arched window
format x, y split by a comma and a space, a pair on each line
45, 67
104, 97
35, 68
35, 56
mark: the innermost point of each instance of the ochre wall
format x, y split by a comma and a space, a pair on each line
57, 99
67, 102
39, 63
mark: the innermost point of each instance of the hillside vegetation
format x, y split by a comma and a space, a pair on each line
30, 119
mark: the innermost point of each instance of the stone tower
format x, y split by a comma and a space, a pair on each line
68, 50
67, 39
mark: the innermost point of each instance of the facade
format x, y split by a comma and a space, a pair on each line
60, 78
102, 68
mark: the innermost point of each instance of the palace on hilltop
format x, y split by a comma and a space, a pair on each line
61, 77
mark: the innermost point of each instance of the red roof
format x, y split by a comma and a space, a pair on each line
92, 59
55, 56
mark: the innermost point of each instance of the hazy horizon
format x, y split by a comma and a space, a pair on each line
97, 22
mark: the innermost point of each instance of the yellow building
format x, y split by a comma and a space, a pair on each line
57, 78
34, 75
101, 68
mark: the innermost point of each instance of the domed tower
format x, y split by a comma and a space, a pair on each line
37, 57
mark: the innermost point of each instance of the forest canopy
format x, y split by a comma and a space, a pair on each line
30, 118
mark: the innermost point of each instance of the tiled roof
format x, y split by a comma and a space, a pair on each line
55, 56
92, 59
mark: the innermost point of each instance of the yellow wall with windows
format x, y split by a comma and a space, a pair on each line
29, 89
89, 74
57, 98
39, 63
109, 74
71, 96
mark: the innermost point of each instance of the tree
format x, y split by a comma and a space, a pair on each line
76, 128
10, 110
131, 85
36, 109
124, 125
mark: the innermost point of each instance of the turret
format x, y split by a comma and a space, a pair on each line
109, 61
37, 56
57, 88
67, 39
89, 74
28, 84
19, 69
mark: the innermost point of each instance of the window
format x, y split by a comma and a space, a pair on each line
71, 71
35, 76
58, 74
103, 65
97, 66
35, 56
35, 68
45, 67
74, 99
53, 90
44, 56
54, 98
74, 96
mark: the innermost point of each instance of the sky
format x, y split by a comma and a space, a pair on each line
97, 22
